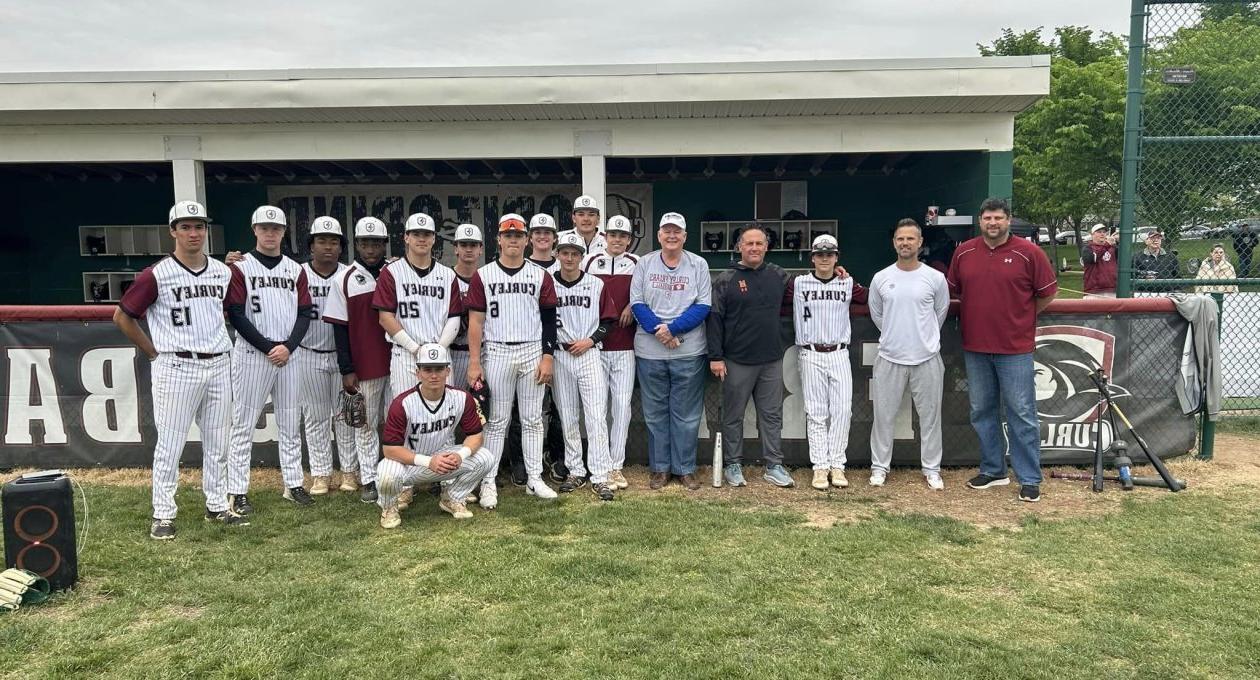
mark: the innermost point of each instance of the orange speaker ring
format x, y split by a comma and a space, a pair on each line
17, 523
21, 564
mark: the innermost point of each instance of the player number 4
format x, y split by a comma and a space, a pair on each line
805, 314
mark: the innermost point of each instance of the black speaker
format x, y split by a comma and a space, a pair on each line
39, 527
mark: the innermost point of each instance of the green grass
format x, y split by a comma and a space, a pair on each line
654, 586
1244, 425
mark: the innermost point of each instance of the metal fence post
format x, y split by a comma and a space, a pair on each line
1207, 428
1132, 144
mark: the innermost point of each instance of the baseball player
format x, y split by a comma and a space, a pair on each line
586, 224
182, 296
418, 300
512, 305
614, 267
319, 377
419, 440
542, 241
363, 353
585, 313
820, 312
270, 307
468, 251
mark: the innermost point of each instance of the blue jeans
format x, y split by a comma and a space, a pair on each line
672, 391
1006, 379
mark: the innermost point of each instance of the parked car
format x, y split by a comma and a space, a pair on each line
1043, 235
1195, 232
1065, 236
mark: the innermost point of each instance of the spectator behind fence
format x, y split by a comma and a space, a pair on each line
1153, 262
1216, 267
1245, 241
1098, 257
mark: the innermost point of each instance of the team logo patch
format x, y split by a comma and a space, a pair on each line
1067, 400
271, 214
192, 209
743, 286
433, 355
369, 227
360, 278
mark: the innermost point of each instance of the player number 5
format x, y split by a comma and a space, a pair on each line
255, 303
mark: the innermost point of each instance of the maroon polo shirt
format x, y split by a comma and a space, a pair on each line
997, 287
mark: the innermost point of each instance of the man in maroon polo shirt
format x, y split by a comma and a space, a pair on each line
1003, 283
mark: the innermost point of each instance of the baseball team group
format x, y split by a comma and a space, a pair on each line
445, 359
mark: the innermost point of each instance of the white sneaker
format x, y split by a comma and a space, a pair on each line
537, 487
405, 497
319, 485
390, 518
488, 499
457, 509
878, 477
934, 481
838, 479
820, 480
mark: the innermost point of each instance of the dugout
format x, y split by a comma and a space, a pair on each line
90, 162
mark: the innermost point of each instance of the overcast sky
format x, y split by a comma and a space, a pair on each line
91, 35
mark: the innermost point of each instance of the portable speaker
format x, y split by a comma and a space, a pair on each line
39, 536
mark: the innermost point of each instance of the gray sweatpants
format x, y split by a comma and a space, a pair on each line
764, 383
927, 382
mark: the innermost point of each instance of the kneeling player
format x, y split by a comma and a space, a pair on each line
419, 440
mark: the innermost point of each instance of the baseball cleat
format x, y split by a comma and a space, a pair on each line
349, 482
878, 477
319, 485
367, 492
934, 481
983, 481
519, 476
239, 504
162, 529
458, 509
390, 518
404, 498
838, 479
820, 480
617, 480
489, 495
299, 496
226, 518
537, 487
572, 483
603, 490
559, 471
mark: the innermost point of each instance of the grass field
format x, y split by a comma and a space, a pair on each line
748, 583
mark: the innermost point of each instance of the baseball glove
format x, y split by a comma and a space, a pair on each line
353, 409
481, 392
19, 587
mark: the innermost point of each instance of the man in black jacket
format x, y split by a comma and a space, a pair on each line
1245, 241
746, 352
1154, 262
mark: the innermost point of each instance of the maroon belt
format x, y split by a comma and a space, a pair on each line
826, 348
197, 355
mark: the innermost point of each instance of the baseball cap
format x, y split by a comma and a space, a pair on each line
188, 210
1098, 227
467, 233
571, 239
825, 243
674, 219
1155, 233
512, 222
370, 227
420, 222
268, 214
432, 354
542, 221
585, 202
325, 225
619, 223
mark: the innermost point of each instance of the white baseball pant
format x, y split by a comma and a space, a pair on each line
459, 369
509, 373
392, 476
579, 385
619, 371
827, 379
367, 439
185, 390
254, 378
888, 384
402, 371
320, 381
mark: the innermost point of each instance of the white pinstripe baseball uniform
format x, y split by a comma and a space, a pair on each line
617, 349
320, 381
427, 428
422, 301
272, 298
579, 384
191, 377
820, 311
597, 246
512, 347
459, 347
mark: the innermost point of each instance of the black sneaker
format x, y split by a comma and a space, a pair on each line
162, 529
367, 492
604, 490
559, 471
299, 496
572, 483
239, 504
519, 476
1029, 493
226, 518
435, 489
983, 481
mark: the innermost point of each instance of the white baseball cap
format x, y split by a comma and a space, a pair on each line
585, 202
268, 214
542, 221
325, 225
825, 243
370, 227
1097, 227
188, 210
674, 219
571, 239
467, 233
619, 223
432, 354
420, 222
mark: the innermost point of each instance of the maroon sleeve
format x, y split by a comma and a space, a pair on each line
386, 295
547, 295
236, 288
1045, 282
303, 290
608, 309
471, 422
395, 432
142, 293
859, 293
457, 300
475, 298
952, 277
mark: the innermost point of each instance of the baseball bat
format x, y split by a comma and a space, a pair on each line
717, 460
1172, 484
1137, 481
